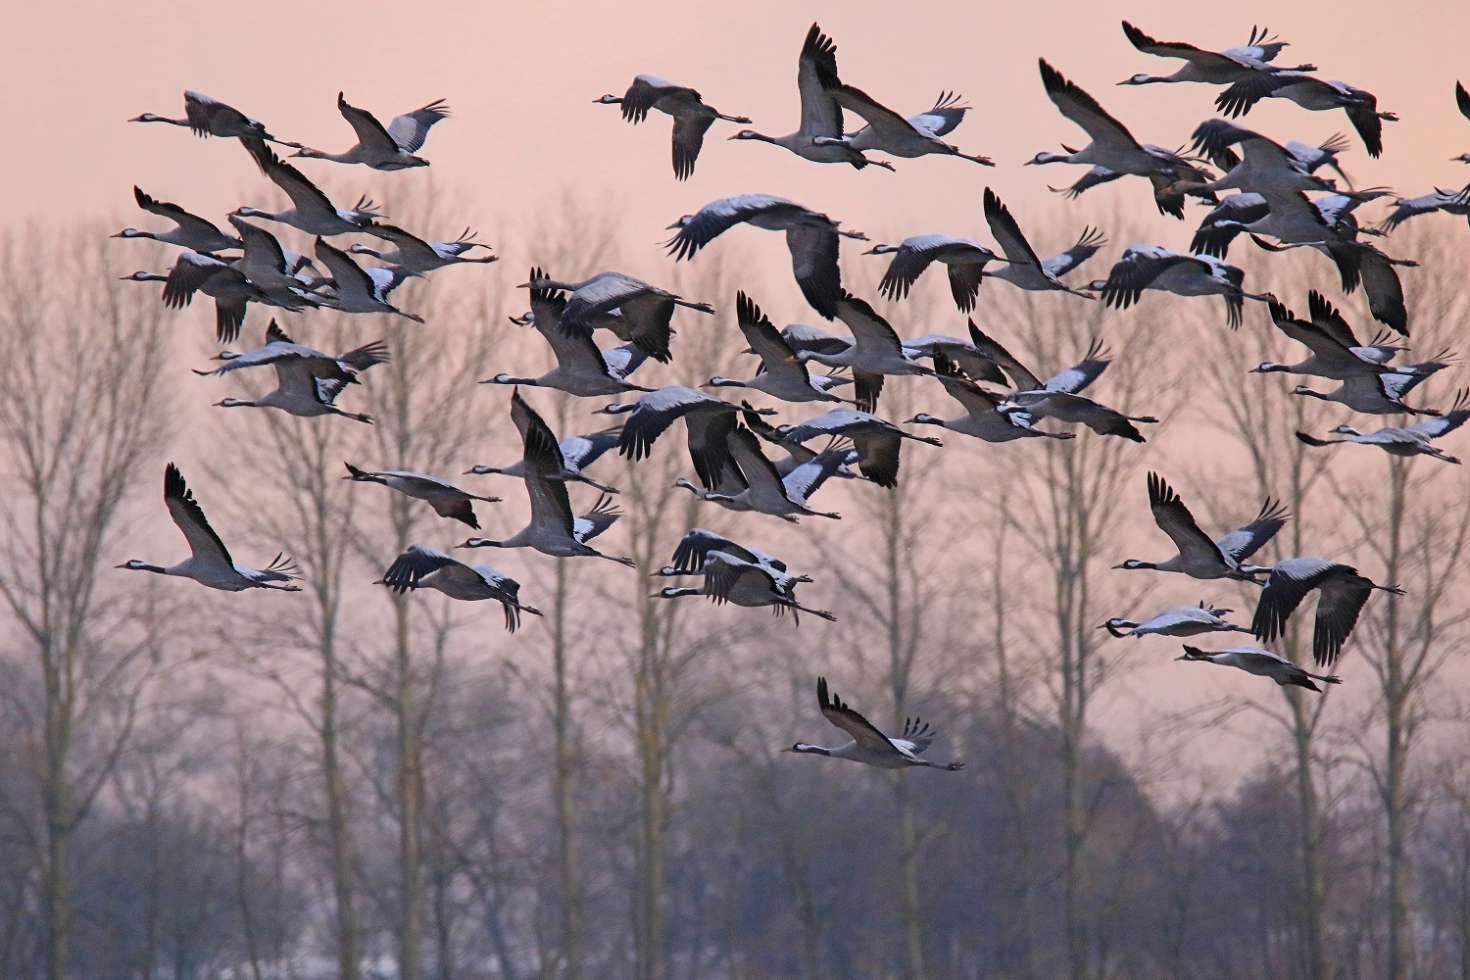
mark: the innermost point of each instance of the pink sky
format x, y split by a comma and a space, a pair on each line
521, 78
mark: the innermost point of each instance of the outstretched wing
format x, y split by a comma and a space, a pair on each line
1341, 600
369, 131
1175, 520
190, 272
1020, 375
1087, 246
941, 120
697, 545
688, 140
861, 730
302, 192
415, 564
538, 442
718, 217
913, 256
916, 737
1325, 316
1076, 378
1082, 108
603, 515
807, 478
1007, 232
1286, 587
1436, 426
411, 129
1243, 542
765, 340
816, 73
188, 222
814, 250
204, 543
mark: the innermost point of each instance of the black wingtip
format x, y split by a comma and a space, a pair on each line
173, 481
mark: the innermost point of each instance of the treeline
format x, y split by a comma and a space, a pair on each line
344, 784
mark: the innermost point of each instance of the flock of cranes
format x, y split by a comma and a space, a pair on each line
745, 460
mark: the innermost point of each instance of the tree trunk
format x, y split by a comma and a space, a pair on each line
898, 675
806, 907
1462, 902
1396, 697
1071, 586
1019, 924
68, 461
653, 812
57, 882
242, 879
564, 790
908, 843
56, 800
1309, 820
338, 833
443, 885
1303, 731
410, 844
1072, 832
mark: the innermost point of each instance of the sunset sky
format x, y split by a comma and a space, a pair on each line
521, 80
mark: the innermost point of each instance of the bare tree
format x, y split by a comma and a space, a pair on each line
1067, 521
427, 411
1011, 683
660, 656
552, 245
316, 516
83, 413
1261, 422
894, 590
1407, 639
